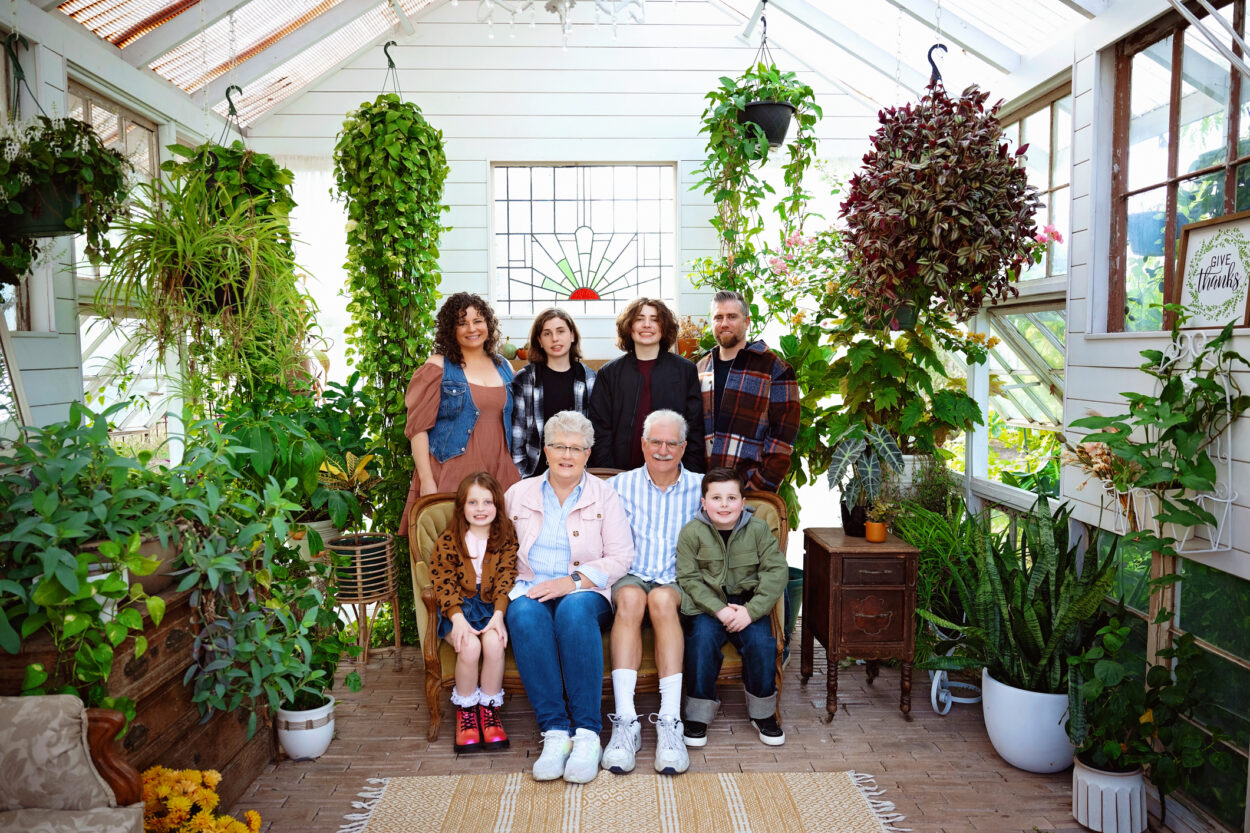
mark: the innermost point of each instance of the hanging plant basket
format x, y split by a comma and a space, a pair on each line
45, 209
773, 117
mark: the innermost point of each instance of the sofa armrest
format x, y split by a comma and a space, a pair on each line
430, 646
125, 781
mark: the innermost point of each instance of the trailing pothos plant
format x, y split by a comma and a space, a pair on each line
59, 158
941, 214
389, 168
731, 177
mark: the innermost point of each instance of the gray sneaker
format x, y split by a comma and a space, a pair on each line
671, 757
583, 764
556, 748
626, 740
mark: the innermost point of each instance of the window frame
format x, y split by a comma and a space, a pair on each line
1125, 51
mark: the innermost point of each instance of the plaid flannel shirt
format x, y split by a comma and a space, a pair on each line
528, 417
759, 416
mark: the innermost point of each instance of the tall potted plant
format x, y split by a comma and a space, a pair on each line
863, 457
56, 178
940, 216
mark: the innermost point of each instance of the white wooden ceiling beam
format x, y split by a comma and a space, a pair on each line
986, 47
48, 5
288, 47
853, 44
178, 31
1088, 8
405, 22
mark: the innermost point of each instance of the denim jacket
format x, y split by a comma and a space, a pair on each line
457, 414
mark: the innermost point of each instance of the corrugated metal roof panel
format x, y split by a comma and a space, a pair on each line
295, 74
254, 27
117, 20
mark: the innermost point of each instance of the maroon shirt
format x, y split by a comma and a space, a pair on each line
643, 409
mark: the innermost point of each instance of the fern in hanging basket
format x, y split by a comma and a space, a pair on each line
56, 177
940, 216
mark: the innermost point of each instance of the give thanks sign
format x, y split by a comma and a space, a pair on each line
1215, 271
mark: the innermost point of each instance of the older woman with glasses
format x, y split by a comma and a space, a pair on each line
575, 541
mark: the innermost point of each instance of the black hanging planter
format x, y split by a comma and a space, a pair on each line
44, 211
853, 520
773, 117
906, 316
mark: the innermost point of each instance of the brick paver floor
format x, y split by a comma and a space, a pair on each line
940, 772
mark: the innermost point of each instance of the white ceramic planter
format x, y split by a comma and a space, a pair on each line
326, 529
305, 735
1108, 802
1026, 727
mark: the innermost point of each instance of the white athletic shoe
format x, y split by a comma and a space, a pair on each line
671, 757
556, 748
626, 740
583, 763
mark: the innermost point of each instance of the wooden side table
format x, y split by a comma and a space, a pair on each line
859, 600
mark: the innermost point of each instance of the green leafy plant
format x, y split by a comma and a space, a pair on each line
1164, 442
248, 178
940, 216
1027, 600
62, 159
389, 168
1120, 722
212, 282
861, 457
72, 513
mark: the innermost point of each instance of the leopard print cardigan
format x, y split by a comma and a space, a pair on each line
451, 572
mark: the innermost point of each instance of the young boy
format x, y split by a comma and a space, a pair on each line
731, 574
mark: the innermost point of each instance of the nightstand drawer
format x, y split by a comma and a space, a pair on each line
874, 571
873, 616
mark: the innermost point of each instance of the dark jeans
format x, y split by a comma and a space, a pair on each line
705, 638
559, 652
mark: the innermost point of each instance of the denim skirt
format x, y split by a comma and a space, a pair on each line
476, 611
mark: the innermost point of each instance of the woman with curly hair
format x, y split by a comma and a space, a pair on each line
460, 403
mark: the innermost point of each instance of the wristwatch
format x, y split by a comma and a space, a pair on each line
577, 579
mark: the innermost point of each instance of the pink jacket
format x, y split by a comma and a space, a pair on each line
598, 528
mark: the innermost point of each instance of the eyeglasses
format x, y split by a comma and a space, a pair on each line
567, 449
669, 444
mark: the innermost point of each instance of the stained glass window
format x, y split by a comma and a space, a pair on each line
589, 238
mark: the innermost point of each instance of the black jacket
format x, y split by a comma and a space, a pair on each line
674, 385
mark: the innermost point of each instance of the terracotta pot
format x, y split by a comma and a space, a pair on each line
688, 347
874, 532
1109, 802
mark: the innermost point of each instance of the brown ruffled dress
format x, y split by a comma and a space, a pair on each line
487, 449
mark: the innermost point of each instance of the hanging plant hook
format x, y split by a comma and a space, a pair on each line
230, 91
232, 114
935, 75
763, 55
392, 73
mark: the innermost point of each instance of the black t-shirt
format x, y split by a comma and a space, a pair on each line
721, 369
557, 388
724, 534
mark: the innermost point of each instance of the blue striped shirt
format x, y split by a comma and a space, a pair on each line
550, 555
656, 517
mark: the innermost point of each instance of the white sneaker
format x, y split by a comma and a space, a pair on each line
556, 748
583, 763
671, 757
626, 740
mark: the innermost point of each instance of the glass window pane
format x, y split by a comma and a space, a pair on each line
1200, 198
1061, 155
1060, 216
1148, 124
1202, 136
1143, 278
1242, 195
1215, 606
1223, 793
76, 106
1225, 698
1036, 134
107, 125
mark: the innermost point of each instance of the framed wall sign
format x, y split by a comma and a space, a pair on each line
1214, 271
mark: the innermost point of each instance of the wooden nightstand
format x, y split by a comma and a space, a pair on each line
859, 600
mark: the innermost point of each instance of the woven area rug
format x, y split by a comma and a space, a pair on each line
774, 802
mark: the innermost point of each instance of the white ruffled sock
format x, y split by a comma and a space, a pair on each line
466, 701
495, 699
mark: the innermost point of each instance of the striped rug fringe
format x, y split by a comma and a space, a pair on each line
883, 810
357, 822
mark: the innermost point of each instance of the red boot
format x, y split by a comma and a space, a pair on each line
493, 735
468, 730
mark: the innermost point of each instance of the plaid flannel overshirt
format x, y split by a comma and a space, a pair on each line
759, 417
528, 416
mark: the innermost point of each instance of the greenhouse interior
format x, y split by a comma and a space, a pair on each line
322, 321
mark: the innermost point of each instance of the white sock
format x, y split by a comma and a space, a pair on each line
670, 696
466, 701
495, 700
623, 680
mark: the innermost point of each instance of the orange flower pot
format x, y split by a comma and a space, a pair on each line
874, 532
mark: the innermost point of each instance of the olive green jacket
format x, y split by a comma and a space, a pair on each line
752, 563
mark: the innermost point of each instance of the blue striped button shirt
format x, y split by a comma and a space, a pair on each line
656, 517
550, 555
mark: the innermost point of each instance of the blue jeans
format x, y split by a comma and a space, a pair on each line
559, 653
705, 637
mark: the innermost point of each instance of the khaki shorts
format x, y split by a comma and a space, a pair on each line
631, 580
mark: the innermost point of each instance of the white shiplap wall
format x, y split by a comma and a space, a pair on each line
1100, 365
526, 99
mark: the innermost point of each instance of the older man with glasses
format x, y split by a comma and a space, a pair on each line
574, 543
659, 497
